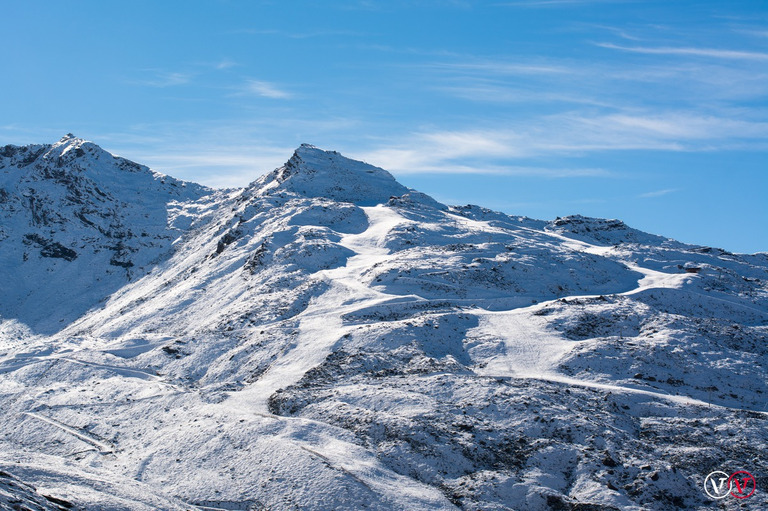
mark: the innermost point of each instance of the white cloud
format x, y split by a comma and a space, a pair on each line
501, 67
698, 52
682, 126
265, 89
559, 78
756, 33
219, 167
164, 79
301, 35
499, 151
225, 64
617, 31
220, 153
468, 152
561, 84
500, 93
657, 193
548, 3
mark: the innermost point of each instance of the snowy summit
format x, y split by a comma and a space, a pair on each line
313, 172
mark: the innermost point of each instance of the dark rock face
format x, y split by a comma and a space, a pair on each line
18, 495
50, 248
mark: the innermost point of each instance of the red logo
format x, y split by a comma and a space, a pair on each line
742, 484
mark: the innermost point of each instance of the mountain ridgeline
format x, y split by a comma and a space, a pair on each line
326, 338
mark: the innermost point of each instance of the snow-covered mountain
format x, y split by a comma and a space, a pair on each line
326, 338
70, 208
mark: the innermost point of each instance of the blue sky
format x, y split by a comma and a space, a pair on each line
654, 112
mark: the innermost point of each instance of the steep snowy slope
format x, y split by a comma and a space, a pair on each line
328, 339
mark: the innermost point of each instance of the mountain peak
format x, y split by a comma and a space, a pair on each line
314, 172
62, 153
78, 146
84, 169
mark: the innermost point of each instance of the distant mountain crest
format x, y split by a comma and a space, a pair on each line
605, 231
69, 145
75, 147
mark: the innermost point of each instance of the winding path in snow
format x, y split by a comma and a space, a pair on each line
320, 325
320, 328
102, 446
534, 351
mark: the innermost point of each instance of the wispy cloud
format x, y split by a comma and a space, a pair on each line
683, 126
223, 153
701, 86
301, 35
551, 3
514, 81
698, 52
757, 33
499, 151
225, 64
617, 31
467, 152
219, 167
500, 93
657, 193
265, 89
161, 79
502, 67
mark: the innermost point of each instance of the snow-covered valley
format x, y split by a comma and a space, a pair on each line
326, 338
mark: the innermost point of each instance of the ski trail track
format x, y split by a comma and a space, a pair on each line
321, 325
102, 446
320, 328
533, 351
